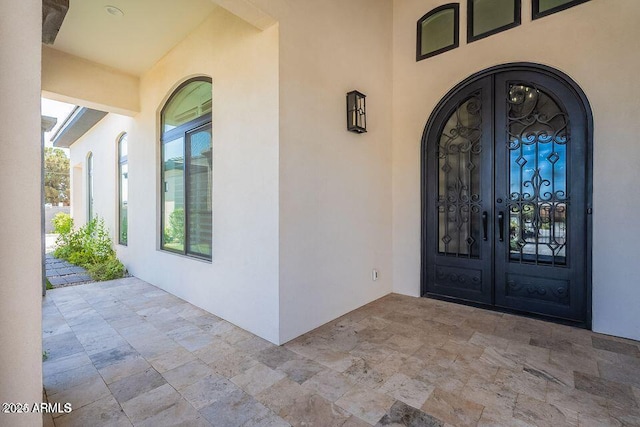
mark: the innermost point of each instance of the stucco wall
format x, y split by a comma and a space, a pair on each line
335, 186
241, 283
20, 186
594, 44
101, 141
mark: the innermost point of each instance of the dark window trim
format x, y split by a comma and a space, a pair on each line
517, 20
181, 131
187, 173
535, 8
456, 31
122, 160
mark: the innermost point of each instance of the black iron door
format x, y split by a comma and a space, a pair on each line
505, 196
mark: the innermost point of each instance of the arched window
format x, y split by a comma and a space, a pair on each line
123, 189
90, 211
187, 162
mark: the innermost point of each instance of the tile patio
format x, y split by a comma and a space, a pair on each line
127, 353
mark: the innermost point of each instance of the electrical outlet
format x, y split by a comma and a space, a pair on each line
374, 274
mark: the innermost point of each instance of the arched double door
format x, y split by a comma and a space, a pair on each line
506, 194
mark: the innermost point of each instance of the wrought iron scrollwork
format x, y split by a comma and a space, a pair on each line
459, 202
538, 136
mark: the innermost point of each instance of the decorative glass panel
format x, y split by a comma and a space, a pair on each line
199, 192
173, 200
459, 163
538, 202
437, 31
487, 17
547, 7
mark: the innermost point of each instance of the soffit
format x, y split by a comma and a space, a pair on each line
134, 42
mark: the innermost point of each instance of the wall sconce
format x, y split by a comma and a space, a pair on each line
356, 112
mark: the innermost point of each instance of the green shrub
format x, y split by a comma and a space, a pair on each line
109, 269
62, 223
90, 247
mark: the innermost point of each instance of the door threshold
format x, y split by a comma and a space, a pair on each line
526, 314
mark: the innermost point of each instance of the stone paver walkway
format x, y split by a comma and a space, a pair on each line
127, 353
62, 273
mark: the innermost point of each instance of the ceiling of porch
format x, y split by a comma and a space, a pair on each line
134, 41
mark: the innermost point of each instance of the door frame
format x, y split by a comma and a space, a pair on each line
570, 84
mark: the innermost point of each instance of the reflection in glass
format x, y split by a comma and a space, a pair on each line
123, 189
538, 157
90, 212
173, 236
438, 31
188, 103
124, 201
459, 164
546, 7
490, 15
199, 191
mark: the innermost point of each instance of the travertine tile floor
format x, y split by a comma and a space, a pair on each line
127, 353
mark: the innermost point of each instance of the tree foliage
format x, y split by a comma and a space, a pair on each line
56, 176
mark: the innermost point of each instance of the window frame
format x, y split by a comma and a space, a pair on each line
535, 8
122, 160
456, 31
182, 131
90, 189
517, 20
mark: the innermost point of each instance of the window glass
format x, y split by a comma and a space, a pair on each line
90, 187
199, 191
189, 103
488, 17
173, 203
437, 31
123, 190
187, 178
547, 7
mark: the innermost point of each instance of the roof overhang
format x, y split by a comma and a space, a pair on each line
53, 13
76, 125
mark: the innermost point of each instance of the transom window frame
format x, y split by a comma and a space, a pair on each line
456, 31
535, 8
517, 20
184, 130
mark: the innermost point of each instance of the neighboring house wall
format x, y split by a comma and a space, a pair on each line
241, 282
20, 216
592, 44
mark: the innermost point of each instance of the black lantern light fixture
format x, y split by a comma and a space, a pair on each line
356, 112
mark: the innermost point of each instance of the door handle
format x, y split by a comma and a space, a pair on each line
501, 226
485, 218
